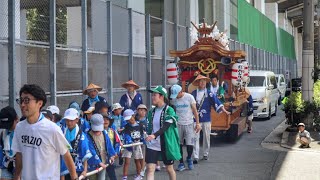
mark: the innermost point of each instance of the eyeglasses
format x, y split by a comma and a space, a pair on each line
24, 100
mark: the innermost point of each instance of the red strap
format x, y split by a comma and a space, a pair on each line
171, 69
175, 76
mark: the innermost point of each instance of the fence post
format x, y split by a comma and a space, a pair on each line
84, 40
176, 22
130, 56
148, 56
164, 47
12, 51
109, 52
52, 53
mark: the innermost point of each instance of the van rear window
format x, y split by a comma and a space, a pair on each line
256, 81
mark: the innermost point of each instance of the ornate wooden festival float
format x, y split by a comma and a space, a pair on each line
210, 56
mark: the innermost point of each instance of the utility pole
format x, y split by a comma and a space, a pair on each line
308, 55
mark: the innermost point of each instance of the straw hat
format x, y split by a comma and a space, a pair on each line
130, 83
91, 86
199, 77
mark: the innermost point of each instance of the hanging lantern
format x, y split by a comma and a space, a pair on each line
245, 77
172, 73
237, 74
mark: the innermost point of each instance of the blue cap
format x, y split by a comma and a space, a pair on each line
175, 89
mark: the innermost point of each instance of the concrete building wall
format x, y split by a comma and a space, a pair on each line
260, 5
271, 11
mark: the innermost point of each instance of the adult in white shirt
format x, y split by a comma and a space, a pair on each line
186, 111
38, 142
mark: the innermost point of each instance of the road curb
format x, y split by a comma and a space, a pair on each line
284, 141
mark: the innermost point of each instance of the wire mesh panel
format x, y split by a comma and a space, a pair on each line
120, 70
156, 72
139, 38
38, 67
139, 71
64, 101
170, 38
156, 36
182, 38
69, 70
120, 29
97, 25
97, 69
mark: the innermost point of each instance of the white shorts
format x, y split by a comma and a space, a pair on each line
186, 132
136, 153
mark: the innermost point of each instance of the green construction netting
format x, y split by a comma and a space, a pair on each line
286, 44
256, 29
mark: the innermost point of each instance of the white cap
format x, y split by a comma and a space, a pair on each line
116, 106
127, 114
71, 114
54, 109
97, 122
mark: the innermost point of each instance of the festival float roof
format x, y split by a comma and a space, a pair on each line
207, 46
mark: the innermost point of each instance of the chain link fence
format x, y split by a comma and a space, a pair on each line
127, 48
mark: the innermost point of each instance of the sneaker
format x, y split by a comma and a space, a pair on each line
190, 163
137, 177
143, 172
158, 168
205, 157
181, 167
124, 177
249, 130
195, 161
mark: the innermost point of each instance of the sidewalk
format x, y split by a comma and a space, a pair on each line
289, 141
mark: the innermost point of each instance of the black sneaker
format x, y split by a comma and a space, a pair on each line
205, 157
195, 161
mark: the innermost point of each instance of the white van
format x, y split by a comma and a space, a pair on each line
265, 94
282, 86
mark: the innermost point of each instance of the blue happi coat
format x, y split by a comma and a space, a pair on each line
210, 100
94, 161
81, 154
136, 101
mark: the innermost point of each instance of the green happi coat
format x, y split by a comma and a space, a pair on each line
170, 136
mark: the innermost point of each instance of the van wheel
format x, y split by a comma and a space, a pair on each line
269, 114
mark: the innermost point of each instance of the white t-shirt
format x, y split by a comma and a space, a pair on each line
155, 143
184, 109
41, 145
200, 94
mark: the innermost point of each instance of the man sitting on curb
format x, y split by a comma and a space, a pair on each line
304, 136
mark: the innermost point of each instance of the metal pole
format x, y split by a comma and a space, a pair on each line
176, 31
12, 51
164, 46
130, 56
52, 53
84, 43
188, 36
318, 39
308, 50
109, 51
148, 56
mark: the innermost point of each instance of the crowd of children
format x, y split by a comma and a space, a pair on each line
98, 134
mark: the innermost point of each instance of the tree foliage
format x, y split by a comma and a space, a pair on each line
38, 24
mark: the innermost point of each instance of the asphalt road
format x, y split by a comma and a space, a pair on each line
242, 159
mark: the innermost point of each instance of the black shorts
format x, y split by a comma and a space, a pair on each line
153, 156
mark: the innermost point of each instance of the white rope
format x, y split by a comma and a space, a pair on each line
100, 169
